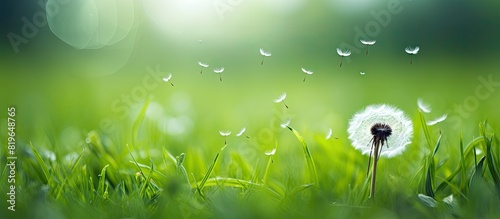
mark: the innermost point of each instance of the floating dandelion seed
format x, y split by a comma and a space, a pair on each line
241, 132
437, 120
203, 65
281, 98
167, 79
424, 107
219, 71
264, 54
270, 152
378, 125
343, 54
411, 52
225, 134
286, 123
362, 73
367, 43
307, 72
329, 134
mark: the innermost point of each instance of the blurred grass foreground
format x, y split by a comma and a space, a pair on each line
240, 109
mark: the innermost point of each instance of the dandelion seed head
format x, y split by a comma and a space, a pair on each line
368, 42
361, 128
270, 152
264, 53
437, 120
362, 73
424, 107
412, 51
166, 79
307, 71
241, 132
285, 123
204, 65
344, 53
280, 98
219, 70
225, 133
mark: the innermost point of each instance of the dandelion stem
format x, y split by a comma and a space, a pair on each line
262, 62
366, 53
285, 104
411, 60
376, 145
341, 61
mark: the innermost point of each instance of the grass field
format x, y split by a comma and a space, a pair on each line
99, 134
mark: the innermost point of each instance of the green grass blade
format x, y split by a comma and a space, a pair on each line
135, 161
209, 171
478, 171
309, 159
69, 174
490, 160
431, 171
426, 129
438, 143
146, 182
462, 163
101, 187
43, 165
138, 121
181, 171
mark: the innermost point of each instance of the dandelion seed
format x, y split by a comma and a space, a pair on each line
329, 134
225, 134
424, 107
478, 151
270, 152
219, 71
264, 54
286, 123
281, 98
362, 73
343, 54
367, 43
241, 132
437, 120
203, 65
412, 51
378, 125
167, 79
306, 72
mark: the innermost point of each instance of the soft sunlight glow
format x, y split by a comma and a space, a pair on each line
177, 15
284, 6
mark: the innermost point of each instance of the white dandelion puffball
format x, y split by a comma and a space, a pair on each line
362, 122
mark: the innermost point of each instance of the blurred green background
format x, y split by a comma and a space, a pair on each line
78, 73
60, 88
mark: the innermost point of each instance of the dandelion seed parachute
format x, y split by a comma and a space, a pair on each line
426, 108
360, 129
